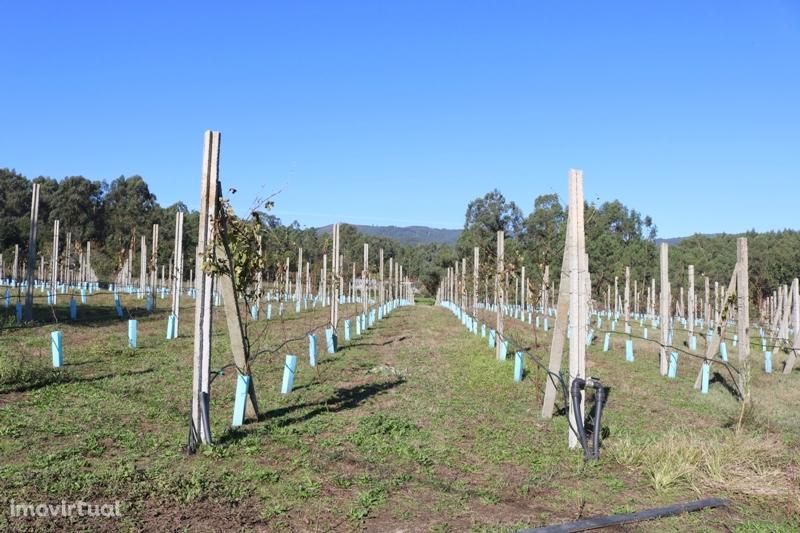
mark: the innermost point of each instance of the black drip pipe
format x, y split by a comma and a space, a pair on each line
599, 404
616, 520
578, 385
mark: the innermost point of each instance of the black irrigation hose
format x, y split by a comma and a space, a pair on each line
615, 520
579, 385
575, 394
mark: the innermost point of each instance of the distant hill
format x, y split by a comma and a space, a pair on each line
671, 241
424, 235
407, 234
674, 241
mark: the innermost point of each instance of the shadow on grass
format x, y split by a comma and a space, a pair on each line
386, 343
60, 377
341, 400
84, 363
719, 378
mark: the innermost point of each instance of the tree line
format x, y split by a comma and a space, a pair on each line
113, 216
616, 237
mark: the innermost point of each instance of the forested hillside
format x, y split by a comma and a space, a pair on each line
406, 234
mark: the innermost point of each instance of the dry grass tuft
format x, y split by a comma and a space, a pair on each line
742, 464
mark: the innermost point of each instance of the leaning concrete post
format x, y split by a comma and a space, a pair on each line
560, 329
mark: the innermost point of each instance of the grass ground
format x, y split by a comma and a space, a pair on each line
412, 426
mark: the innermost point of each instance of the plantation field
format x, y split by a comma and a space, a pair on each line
412, 426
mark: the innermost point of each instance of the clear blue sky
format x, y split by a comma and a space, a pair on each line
402, 112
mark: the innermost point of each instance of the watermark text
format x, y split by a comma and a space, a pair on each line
64, 509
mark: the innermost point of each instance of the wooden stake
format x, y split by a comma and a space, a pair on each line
286, 280
462, 293
364, 276
475, 268
32, 251
391, 279
15, 267
154, 264
577, 303
627, 298
690, 301
335, 279
177, 265
381, 292
652, 310
546, 289
743, 315
298, 289
501, 293
143, 267
54, 262
200, 424
67, 279
308, 280
664, 310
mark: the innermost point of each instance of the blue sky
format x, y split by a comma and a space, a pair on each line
402, 112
